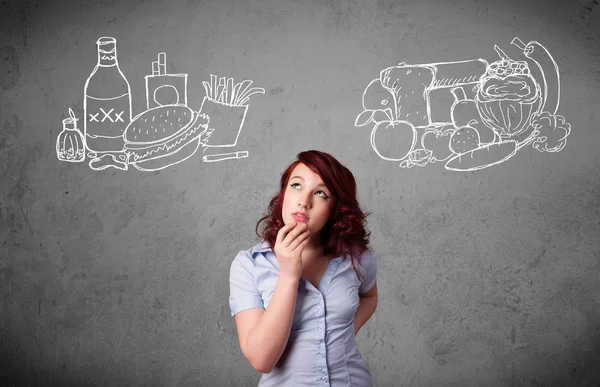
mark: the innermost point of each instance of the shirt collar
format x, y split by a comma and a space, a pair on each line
261, 248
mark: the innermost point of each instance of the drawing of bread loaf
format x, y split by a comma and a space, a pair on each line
408, 85
422, 92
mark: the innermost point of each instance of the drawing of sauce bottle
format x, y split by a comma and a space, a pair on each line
107, 102
69, 143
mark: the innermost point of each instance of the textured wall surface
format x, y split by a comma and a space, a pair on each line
111, 277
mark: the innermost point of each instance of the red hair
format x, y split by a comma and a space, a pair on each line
345, 232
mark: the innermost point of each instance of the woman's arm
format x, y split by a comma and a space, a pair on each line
368, 304
263, 333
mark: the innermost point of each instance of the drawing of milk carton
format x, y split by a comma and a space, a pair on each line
107, 102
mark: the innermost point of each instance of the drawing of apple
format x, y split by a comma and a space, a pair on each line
438, 142
393, 140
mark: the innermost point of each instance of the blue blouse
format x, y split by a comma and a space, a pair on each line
321, 350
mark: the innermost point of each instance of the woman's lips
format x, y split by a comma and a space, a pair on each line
300, 217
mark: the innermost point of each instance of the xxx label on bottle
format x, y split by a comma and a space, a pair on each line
107, 102
106, 121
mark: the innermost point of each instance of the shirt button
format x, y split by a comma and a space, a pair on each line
323, 377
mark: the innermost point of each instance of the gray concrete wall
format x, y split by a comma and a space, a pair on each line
112, 277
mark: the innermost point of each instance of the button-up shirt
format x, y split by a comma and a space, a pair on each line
321, 349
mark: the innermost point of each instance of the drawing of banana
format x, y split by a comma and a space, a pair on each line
549, 69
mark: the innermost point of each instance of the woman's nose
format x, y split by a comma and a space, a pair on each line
304, 201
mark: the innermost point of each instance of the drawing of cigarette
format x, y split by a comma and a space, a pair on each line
225, 156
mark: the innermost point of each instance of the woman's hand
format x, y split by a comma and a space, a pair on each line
291, 240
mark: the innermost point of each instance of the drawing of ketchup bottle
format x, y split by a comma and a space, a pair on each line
107, 102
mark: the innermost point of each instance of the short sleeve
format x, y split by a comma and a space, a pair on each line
243, 292
368, 272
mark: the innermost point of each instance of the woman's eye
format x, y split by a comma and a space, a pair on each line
323, 195
295, 185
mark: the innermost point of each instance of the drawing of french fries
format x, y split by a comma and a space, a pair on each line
226, 91
226, 103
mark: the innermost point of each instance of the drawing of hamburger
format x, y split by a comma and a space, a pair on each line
163, 136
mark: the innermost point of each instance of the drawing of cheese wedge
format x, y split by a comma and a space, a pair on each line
483, 157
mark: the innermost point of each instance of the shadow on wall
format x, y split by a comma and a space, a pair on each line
574, 367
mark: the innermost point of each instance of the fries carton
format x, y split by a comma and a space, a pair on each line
226, 120
226, 103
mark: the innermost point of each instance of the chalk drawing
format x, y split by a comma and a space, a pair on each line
225, 156
165, 89
70, 145
167, 133
226, 103
469, 114
107, 101
109, 160
164, 136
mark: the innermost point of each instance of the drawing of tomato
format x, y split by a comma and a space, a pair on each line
393, 140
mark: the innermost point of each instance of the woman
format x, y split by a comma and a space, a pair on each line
301, 295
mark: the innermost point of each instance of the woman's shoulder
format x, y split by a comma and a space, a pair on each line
252, 252
366, 259
366, 254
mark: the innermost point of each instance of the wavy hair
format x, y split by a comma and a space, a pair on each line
345, 232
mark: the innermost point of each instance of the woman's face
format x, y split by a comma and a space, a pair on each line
306, 199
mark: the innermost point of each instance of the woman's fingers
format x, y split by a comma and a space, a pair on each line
292, 235
301, 246
289, 232
283, 232
303, 236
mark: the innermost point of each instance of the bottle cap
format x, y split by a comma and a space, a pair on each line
71, 122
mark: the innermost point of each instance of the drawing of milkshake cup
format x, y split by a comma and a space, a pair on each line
107, 102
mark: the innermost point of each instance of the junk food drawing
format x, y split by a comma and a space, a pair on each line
468, 114
226, 103
165, 89
167, 132
70, 145
107, 101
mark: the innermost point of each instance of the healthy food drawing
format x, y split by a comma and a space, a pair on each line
497, 109
167, 133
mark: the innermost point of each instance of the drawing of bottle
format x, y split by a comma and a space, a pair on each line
69, 143
107, 102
